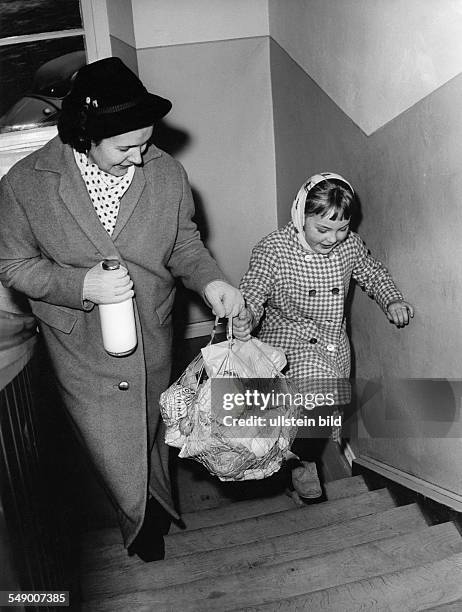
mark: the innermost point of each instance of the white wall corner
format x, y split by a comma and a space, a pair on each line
95, 23
121, 21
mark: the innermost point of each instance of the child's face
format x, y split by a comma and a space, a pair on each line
324, 234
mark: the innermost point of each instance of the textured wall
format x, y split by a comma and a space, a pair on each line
221, 129
126, 53
120, 18
163, 22
211, 58
122, 34
409, 178
311, 132
374, 58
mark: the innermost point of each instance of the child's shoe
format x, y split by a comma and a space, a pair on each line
305, 480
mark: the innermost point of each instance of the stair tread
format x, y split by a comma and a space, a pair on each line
132, 574
409, 590
254, 528
283, 580
270, 525
337, 489
454, 606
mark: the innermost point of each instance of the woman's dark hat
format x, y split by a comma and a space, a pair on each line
113, 100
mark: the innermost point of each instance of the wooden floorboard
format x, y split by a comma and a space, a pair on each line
337, 489
455, 606
410, 590
290, 521
282, 580
96, 553
134, 575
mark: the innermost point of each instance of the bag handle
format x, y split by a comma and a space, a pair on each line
229, 331
213, 333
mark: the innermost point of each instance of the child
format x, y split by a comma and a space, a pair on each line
299, 277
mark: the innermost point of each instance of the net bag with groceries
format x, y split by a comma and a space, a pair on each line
231, 410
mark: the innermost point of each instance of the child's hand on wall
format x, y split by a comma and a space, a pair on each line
400, 312
242, 325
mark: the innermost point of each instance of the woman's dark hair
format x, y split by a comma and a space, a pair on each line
331, 198
72, 128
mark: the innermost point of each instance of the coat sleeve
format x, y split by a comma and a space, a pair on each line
257, 283
22, 264
190, 260
373, 277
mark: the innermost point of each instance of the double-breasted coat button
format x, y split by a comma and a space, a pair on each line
313, 340
335, 290
123, 385
312, 292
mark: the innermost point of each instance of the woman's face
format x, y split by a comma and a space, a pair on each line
324, 234
116, 154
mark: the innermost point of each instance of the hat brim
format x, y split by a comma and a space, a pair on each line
147, 111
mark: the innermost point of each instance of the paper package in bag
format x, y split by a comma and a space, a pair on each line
196, 426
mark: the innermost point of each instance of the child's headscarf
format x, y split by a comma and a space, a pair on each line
298, 206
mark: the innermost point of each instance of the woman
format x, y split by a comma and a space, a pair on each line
101, 190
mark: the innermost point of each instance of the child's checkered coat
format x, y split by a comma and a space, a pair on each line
303, 294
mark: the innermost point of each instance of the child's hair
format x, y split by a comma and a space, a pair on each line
331, 198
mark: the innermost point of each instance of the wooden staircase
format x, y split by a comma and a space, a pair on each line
357, 551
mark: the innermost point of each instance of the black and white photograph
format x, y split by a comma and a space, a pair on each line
230, 305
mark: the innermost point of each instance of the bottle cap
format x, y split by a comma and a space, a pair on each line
111, 264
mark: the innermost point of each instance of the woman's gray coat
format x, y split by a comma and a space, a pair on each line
50, 236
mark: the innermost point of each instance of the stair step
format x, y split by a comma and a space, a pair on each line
297, 519
268, 584
337, 489
132, 574
454, 606
409, 590
252, 529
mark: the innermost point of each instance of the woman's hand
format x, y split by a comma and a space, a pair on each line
107, 286
242, 325
224, 299
400, 312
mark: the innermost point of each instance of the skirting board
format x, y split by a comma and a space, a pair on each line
432, 491
202, 328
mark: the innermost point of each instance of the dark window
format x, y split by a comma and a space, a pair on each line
42, 45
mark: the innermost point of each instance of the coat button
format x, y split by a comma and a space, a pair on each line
330, 347
335, 290
313, 340
124, 386
308, 257
312, 292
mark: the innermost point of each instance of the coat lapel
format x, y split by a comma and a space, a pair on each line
59, 158
129, 201
135, 191
75, 196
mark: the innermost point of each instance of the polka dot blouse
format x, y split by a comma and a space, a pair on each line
105, 190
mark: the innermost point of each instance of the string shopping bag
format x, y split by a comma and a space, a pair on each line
241, 440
